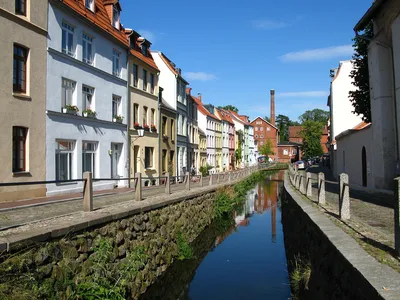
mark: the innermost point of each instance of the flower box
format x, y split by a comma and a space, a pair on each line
90, 116
69, 111
115, 120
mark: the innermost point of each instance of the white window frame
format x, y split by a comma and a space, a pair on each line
116, 69
115, 18
66, 85
285, 152
67, 34
116, 103
92, 153
87, 56
90, 4
261, 136
268, 129
87, 97
151, 159
69, 152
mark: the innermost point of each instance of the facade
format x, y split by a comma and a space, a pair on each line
294, 134
86, 94
250, 154
384, 75
202, 149
264, 131
193, 132
168, 136
288, 152
228, 139
23, 39
174, 94
145, 152
239, 140
217, 126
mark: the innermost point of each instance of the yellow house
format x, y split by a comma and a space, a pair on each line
218, 146
202, 149
143, 110
168, 139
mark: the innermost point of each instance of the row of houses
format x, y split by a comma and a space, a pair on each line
369, 152
81, 92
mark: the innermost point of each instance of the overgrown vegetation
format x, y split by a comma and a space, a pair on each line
184, 249
300, 276
311, 134
205, 169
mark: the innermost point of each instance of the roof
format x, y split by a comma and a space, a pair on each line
283, 144
171, 66
202, 109
369, 15
356, 128
262, 119
224, 116
164, 104
136, 50
235, 114
100, 18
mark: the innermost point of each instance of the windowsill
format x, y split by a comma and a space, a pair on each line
22, 96
66, 183
73, 116
150, 169
22, 174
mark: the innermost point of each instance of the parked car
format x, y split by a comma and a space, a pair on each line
301, 165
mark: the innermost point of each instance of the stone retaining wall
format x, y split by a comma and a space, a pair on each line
340, 268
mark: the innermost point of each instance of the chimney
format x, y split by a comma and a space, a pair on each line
188, 91
272, 118
199, 96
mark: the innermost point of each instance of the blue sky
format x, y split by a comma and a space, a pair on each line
234, 52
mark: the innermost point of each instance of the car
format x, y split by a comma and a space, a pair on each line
301, 165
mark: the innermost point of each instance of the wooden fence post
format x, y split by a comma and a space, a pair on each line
88, 192
321, 188
168, 184
138, 187
344, 198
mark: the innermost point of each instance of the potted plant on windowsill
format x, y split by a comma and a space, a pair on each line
146, 127
70, 109
153, 128
89, 113
136, 125
118, 119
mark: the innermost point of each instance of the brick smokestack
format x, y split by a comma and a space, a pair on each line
272, 118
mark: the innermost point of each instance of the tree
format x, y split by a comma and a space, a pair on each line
317, 115
238, 152
283, 122
229, 107
267, 119
311, 134
266, 149
360, 98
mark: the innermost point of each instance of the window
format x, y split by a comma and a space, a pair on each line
136, 113
20, 7
285, 152
115, 67
164, 126
116, 101
67, 92
144, 80
171, 160
164, 160
152, 116
19, 149
152, 83
144, 49
87, 97
256, 128
172, 130
145, 115
64, 159
19, 71
135, 75
261, 136
67, 39
256, 136
89, 4
148, 157
261, 128
89, 157
115, 17
87, 49
268, 129
261, 143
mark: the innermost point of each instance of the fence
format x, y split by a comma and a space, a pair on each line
302, 181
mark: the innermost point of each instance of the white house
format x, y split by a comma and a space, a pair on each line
86, 69
253, 151
174, 94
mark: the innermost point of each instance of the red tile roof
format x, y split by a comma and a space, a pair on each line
202, 109
224, 116
360, 126
136, 50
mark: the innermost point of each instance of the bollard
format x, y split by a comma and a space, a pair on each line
187, 177
201, 180
344, 198
210, 180
397, 216
302, 186
308, 184
321, 188
217, 178
88, 192
138, 187
229, 177
168, 185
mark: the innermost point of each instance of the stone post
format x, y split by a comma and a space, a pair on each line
397, 216
308, 184
229, 177
138, 187
321, 188
344, 198
201, 180
88, 192
217, 178
187, 181
210, 180
168, 184
302, 183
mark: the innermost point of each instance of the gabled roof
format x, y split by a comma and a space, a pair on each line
136, 50
171, 66
356, 128
369, 15
262, 119
202, 109
237, 116
100, 17
224, 116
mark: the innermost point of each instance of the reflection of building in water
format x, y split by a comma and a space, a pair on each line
241, 219
267, 197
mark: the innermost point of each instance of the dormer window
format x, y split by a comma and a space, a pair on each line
115, 17
89, 4
144, 49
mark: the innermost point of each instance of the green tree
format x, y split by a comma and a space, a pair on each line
238, 152
267, 119
229, 107
266, 149
360, 98
317, 115
311, 134
283, 123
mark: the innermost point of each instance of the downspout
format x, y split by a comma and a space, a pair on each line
160, 90
128, 101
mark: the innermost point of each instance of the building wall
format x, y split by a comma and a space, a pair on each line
294, 134
168, 145
288, 153
264, 131
167, 81
23, 110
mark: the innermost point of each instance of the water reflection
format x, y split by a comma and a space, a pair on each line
238, 258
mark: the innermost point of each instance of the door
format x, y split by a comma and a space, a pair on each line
364, 166
115, 155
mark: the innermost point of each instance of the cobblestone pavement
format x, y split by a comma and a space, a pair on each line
372, 209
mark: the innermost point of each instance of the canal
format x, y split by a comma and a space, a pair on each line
239, 257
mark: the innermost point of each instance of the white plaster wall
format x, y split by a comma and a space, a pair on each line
349, 157
343, 118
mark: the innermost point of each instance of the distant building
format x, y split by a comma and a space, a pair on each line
294, 134
288, 152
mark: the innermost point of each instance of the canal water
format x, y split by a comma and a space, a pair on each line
241, 257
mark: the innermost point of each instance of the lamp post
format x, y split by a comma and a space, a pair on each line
140, 134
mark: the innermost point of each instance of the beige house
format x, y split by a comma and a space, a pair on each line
143, 110
23, 38
168, 139
202, 149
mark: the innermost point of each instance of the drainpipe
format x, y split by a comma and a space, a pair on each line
394, 93
160, 90
128, 101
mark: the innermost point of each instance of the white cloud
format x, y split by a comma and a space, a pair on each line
319, 54
269, 24
304, 94
148, 35
201, 76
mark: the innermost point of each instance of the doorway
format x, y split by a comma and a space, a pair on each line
115, 156
364, 166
